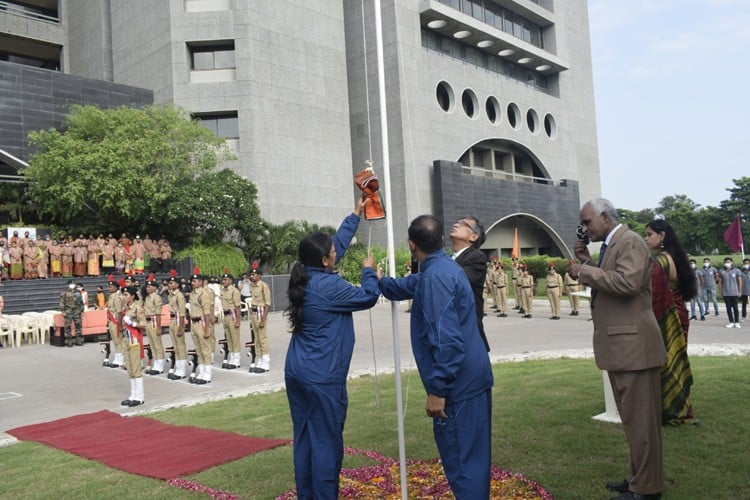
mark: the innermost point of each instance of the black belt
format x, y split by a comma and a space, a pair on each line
172, 315
196, 320
501, 286
227, 311
525, 287
149, 317
254, 309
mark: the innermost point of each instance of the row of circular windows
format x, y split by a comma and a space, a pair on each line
446, 99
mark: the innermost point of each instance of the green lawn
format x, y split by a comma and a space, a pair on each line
542, 428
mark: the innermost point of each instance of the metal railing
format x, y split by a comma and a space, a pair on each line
501, 174
26, 12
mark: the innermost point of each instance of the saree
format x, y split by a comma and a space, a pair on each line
676, 375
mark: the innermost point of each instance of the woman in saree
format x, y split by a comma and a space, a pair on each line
672, 284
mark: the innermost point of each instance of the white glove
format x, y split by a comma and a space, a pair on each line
128, 321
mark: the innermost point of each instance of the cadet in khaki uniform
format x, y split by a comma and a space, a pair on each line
501, 290
115, 306
526, 283
489, 285
177, 320
201, 327
261, 304
152, 306
516, 274
572, 285
554, 289
230, 304
133, 325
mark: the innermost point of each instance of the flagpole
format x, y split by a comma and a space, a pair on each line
391, 252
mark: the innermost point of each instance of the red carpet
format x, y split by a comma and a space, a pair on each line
142, 445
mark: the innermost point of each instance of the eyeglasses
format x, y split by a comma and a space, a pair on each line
472, 227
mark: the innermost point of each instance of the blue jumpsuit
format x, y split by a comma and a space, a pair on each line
317, 364
453, 364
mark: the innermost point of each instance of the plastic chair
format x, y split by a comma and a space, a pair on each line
6, 330
26, 327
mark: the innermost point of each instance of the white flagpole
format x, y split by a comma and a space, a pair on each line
391, 253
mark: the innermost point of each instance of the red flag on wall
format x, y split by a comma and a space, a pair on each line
733, 235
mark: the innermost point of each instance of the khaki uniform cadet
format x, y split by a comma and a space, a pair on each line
71, 305
501, 290
516, 274
572, 285
526, 282
133, 325
489, 285
201, 327
554, 289
114, 312
152, 306
260, 305
177, 320
230, 304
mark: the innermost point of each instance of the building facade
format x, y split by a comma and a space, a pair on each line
489, 102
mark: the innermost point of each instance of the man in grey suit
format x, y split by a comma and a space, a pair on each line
627, 340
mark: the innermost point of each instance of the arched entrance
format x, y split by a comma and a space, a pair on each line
535, 237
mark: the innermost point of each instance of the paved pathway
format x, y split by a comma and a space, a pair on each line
39, 383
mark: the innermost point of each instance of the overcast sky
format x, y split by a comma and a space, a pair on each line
672, 89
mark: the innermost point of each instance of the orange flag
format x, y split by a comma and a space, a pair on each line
515, 252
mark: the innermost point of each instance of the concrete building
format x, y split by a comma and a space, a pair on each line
490, 102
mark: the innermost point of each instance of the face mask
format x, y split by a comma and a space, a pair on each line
692, 266
71, 286
745, 266
727, 265
706, 265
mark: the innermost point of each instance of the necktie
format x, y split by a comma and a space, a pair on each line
601, 254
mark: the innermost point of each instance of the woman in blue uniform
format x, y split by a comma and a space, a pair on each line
320, 351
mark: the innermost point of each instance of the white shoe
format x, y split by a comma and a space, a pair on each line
737, 325
730, 325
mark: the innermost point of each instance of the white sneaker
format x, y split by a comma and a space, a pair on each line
737, 325
730, 325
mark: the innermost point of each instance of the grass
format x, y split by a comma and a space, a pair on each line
542, 428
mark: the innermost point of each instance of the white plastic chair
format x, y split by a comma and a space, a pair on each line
27, 327
6, 330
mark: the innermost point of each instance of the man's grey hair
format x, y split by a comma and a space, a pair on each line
604, 206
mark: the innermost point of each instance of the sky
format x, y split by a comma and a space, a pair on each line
672, 93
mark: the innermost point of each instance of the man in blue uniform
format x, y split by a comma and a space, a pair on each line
451, 358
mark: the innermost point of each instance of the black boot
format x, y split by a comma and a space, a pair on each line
79, 340
69, 342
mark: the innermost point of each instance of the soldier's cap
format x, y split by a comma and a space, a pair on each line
255, 270
213, 279
173, 277
71, 282
152, 281
197, 274
227, 274
132, 290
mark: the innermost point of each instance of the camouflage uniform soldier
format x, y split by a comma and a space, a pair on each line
177, 328
114, 311
202, 319
230, 304
261, 304
152, 306
71, 305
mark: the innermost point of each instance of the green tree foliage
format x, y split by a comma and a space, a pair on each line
350, 266
120, 167
16, 202
216, 205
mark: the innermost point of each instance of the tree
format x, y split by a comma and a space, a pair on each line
213, 207
119, 168
680, 212
738, 203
